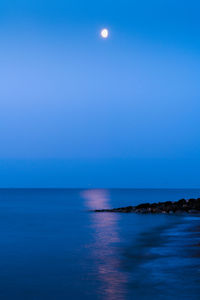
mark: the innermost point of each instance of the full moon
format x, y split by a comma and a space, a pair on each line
104, 33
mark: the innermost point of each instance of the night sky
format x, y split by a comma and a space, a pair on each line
77, 110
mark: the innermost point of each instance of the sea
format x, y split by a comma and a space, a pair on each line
53, 247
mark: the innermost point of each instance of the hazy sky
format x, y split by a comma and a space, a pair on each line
76, 110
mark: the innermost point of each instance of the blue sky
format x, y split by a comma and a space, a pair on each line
79, 111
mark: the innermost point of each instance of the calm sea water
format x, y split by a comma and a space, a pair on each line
52, 247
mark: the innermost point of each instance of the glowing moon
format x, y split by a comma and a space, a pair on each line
104, 33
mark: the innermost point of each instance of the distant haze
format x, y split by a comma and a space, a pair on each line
80, 111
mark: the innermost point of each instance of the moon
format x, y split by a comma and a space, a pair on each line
104, 33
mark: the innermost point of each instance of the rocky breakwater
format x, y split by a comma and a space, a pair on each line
191, 206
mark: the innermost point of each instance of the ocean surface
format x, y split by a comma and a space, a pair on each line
53, 247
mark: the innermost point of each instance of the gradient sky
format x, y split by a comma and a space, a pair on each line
79, 111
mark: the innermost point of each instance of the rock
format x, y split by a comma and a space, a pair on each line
193, 211
143, 206
182, 206
182, 202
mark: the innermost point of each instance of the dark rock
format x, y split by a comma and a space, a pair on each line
168, 207
182, 202
193, 211
141, 206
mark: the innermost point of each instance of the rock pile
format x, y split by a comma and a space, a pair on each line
169, 207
